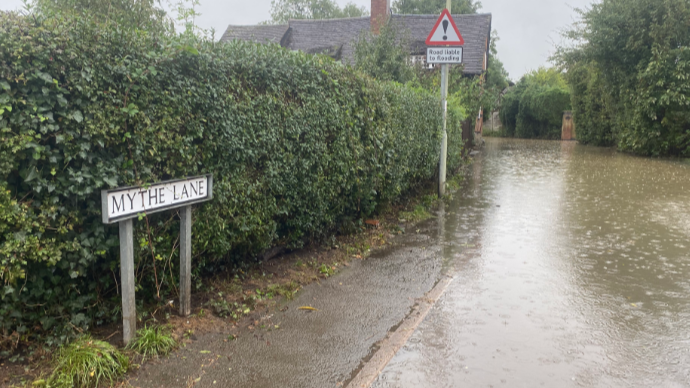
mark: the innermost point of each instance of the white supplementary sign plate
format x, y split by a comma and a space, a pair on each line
443, 55
128, 202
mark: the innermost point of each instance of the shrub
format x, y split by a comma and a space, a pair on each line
297, 144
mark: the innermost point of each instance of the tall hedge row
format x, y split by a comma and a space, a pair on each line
630, 73
534, 107
298, 144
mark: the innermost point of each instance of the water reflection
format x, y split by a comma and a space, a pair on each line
571, 269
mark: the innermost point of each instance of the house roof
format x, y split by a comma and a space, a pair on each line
324, 36
259, 34
336, 37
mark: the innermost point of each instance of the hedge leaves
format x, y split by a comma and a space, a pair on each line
298, 145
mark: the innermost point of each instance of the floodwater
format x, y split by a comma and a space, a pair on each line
571, 268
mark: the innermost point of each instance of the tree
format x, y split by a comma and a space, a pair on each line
140, 14
497, 77
423, 7
384, 56
284, 10
628, 68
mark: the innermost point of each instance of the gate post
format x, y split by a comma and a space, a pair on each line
568, 129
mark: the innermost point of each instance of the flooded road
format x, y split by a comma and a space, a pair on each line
570, 268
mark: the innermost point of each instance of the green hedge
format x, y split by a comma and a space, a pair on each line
534, 107
299, 146
629, 72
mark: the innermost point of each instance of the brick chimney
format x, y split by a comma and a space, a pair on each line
380, 12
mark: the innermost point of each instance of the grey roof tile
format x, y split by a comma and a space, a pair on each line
326, 36
259, 34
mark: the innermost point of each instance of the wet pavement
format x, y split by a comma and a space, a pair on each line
569, 265
324, 348
570, 269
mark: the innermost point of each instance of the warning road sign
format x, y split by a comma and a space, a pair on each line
445, 33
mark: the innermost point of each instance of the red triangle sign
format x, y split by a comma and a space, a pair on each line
445, 32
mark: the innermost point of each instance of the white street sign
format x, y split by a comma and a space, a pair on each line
444, 55
124, 203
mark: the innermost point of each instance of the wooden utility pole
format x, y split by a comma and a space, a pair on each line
444, 142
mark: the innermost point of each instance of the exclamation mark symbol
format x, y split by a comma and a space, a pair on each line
445, 29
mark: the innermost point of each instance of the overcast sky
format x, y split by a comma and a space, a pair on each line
528, 29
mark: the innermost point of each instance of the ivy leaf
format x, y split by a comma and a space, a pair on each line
45, 76
112, 182
32, 175
77, 116
4, 85
61, 100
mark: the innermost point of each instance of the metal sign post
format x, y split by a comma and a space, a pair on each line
445, 33
122, 205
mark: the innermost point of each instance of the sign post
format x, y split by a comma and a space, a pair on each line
445, 33
122, 205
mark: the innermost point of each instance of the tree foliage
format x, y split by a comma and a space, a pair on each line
434, 7
140, 14
497, 77
384, 56
284, 10
630, 71
534, 107
298, 144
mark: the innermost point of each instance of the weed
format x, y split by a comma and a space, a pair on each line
153, 341
235, 287
326, 270
352, 250
428, 200
287, 290
86, 363
220, 306
454, 183
419, 213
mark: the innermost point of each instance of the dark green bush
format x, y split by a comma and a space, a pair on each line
534, 107
297, 144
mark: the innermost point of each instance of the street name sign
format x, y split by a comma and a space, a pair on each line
444, 55
122, 205
445, 32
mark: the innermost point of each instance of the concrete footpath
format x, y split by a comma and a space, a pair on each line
357, 309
